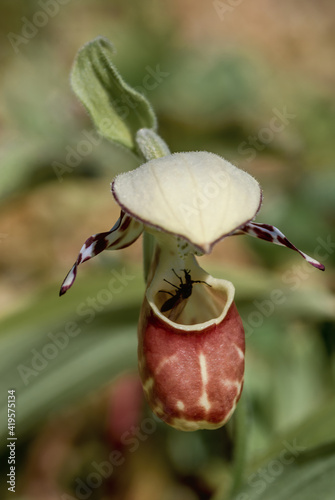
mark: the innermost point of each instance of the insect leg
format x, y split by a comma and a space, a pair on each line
165, 291
204, 282
180, 279
171, 284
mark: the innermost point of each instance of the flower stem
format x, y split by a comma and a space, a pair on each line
240, 448
152, 147
239, 454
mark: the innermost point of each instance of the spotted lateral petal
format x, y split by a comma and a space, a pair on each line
123, 233
272, 234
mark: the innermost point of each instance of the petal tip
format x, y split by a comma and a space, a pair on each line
63, 290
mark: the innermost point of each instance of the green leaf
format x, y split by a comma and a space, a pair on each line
316, 431
298, 466
79, 364
117, 110
302, 479
87, 363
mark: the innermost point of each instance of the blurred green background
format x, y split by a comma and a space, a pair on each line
226, 70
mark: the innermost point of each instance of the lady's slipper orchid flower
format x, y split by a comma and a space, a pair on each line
191, 338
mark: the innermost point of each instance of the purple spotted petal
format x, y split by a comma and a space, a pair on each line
272, 234
123, 233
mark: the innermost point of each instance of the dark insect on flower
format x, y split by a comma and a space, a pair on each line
184, 290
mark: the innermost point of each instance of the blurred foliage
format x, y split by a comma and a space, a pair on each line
215, 96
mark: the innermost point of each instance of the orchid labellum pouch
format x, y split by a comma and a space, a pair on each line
191, 358
190, 336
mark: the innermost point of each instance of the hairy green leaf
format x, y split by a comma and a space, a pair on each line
117, 110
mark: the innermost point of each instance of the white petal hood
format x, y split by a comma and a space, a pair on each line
198, 196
